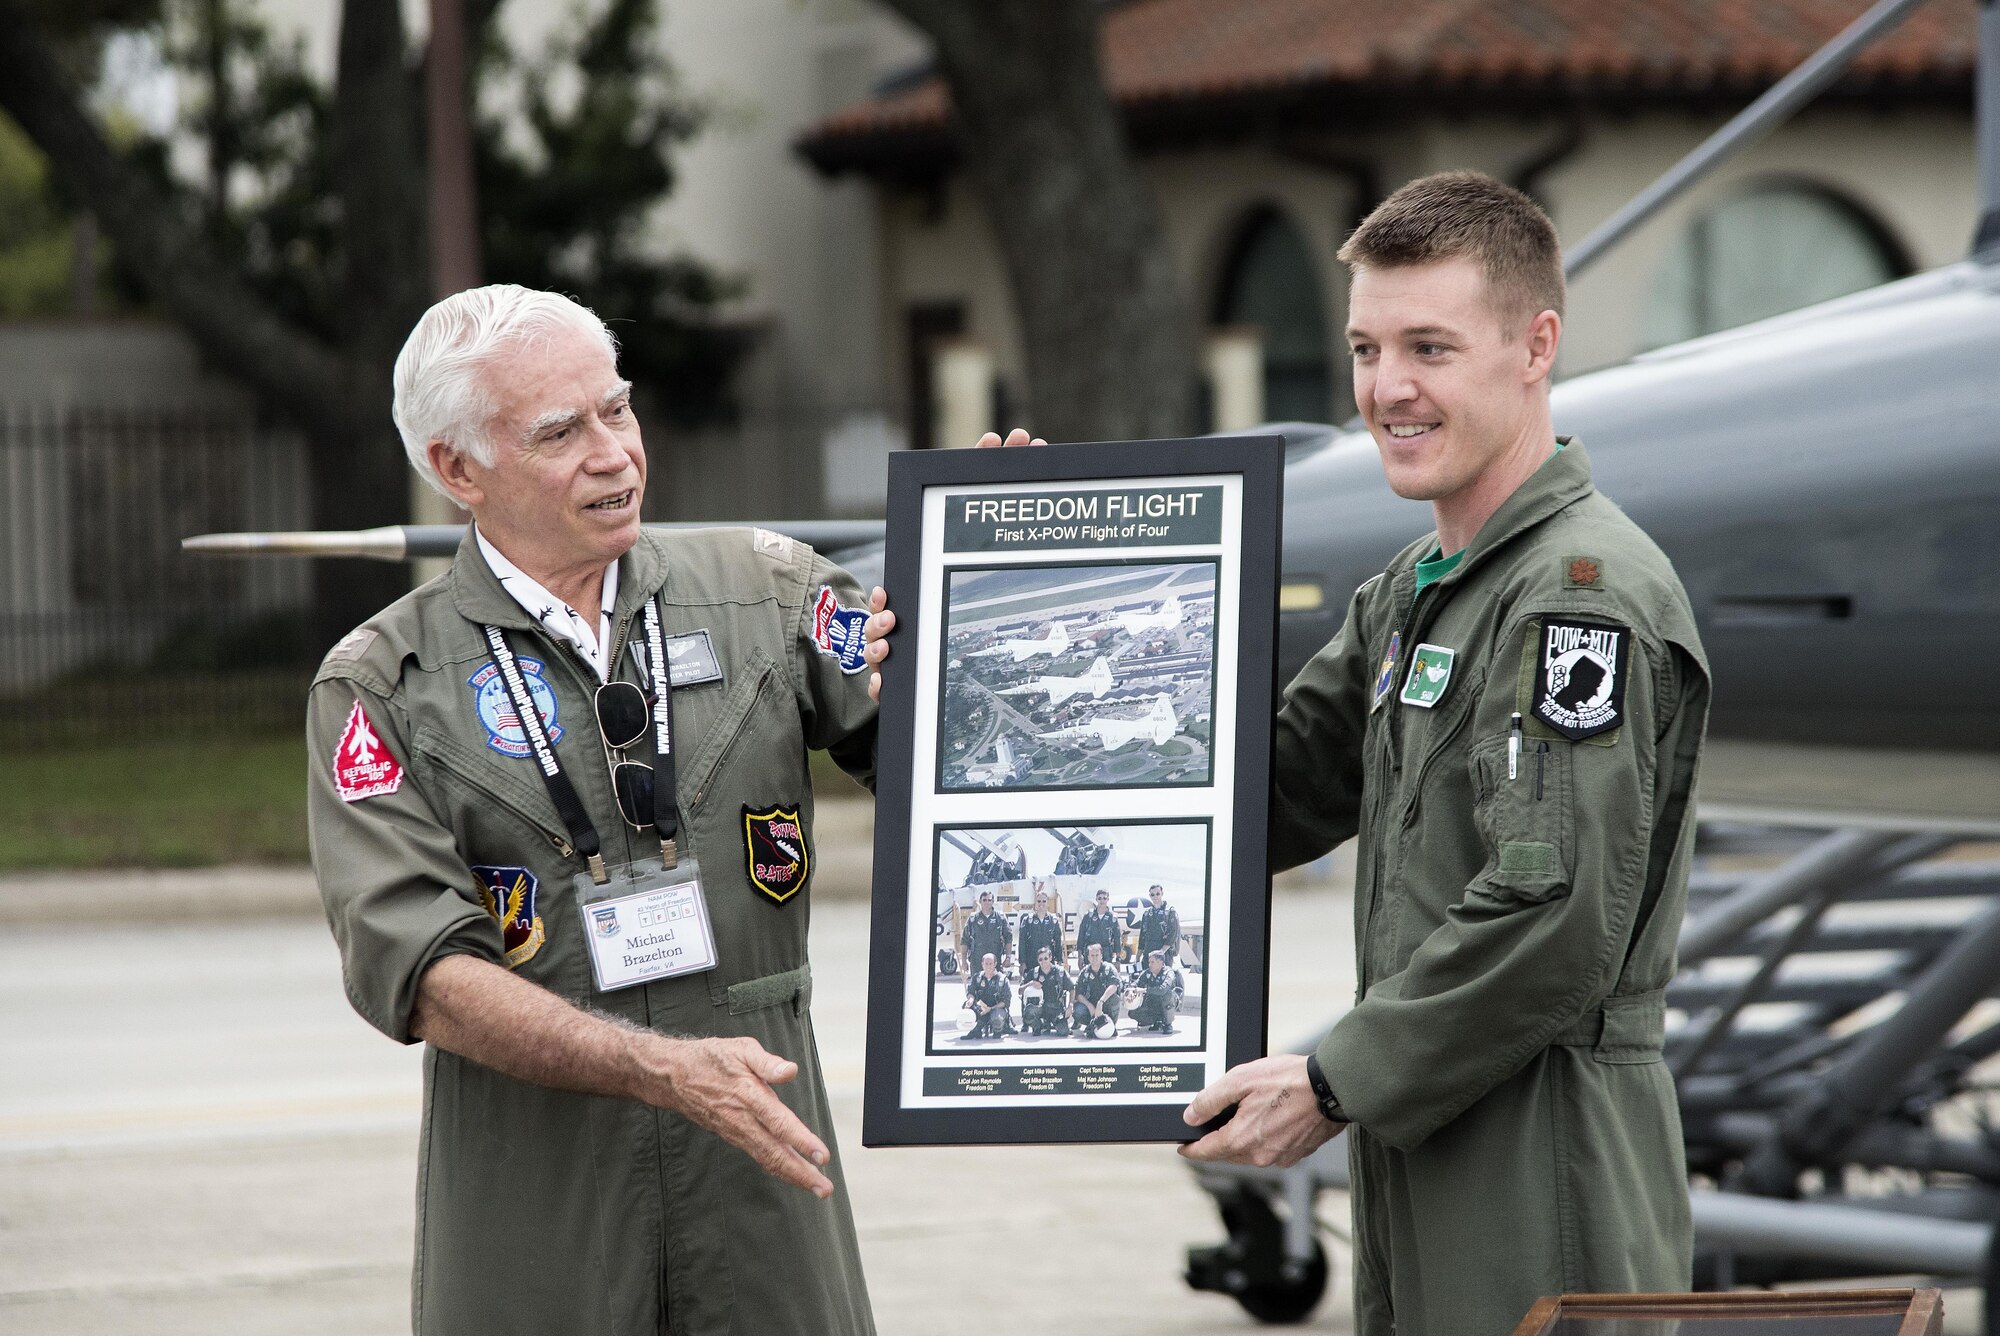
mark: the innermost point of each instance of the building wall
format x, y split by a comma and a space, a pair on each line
1912, 172
115, 443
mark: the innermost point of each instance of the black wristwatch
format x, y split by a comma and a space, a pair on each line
1329, 1105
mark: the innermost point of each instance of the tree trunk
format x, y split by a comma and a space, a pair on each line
339, 398
1109, 334
159, 242
362, 478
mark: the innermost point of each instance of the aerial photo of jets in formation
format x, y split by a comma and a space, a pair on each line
1059, 689
1158, 724
1166, 618
1055, 644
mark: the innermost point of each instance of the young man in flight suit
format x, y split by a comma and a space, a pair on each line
1523, 846
624, 1161
1518, 892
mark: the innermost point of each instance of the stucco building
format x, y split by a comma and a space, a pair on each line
1267, 128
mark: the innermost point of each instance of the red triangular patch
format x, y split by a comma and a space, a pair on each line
362, 764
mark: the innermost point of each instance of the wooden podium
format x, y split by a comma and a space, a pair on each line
1748, 1313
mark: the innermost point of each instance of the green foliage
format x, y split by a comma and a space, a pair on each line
572, 153
264, 125
34, 232
572, 150
141, 803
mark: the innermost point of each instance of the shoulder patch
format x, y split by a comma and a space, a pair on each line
774, 849
1582, 572
508, 894
1579, 681
352, 646
363, 765
836, 631
772, 544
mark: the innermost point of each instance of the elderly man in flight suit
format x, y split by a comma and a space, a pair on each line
624, 1160
1509, 722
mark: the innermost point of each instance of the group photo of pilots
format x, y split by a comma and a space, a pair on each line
1070, 936
1078, 676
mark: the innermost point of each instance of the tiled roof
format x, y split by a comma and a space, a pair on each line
1182, 66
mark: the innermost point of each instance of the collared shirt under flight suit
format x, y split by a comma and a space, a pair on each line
1515, 1131
541, 1210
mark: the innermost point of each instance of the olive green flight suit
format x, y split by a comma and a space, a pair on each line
539, 1210
1515, 1131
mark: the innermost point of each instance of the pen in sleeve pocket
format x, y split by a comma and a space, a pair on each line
1514, 745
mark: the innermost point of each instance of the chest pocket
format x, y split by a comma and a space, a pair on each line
751, 726
1526, 821
477, 782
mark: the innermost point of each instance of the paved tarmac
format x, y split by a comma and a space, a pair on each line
197, 1136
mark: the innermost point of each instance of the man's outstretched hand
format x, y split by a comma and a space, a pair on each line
880, 620
1277, 1121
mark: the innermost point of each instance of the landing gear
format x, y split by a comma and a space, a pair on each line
1272, 1282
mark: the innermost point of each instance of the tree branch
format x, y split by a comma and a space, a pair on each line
159, 243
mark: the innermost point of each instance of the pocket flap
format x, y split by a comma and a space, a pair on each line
1527, 872
772, 990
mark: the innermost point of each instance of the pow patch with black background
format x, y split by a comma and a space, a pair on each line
1579, 686
774, 846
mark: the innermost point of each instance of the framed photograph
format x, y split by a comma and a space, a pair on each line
1071, 891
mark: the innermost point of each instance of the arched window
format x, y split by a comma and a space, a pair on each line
1761, 252
1270, 282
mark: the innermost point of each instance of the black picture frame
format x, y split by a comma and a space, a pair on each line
914, 563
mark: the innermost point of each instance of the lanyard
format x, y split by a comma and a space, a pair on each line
582, 834
666, 798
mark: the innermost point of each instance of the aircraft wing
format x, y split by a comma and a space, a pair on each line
837, 540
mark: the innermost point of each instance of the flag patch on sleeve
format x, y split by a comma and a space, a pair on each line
836, 631
363, 766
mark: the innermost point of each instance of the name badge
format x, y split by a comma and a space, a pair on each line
648, 922
691, 659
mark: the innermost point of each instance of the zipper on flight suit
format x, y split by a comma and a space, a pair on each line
1405, 640
534, 823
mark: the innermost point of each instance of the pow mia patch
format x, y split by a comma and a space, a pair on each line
774, 846
1579, 687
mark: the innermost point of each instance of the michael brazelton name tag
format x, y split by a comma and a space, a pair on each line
1097, 517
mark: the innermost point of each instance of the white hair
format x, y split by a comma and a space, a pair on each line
441, 389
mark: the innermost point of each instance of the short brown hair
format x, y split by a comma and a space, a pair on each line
1469, 215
